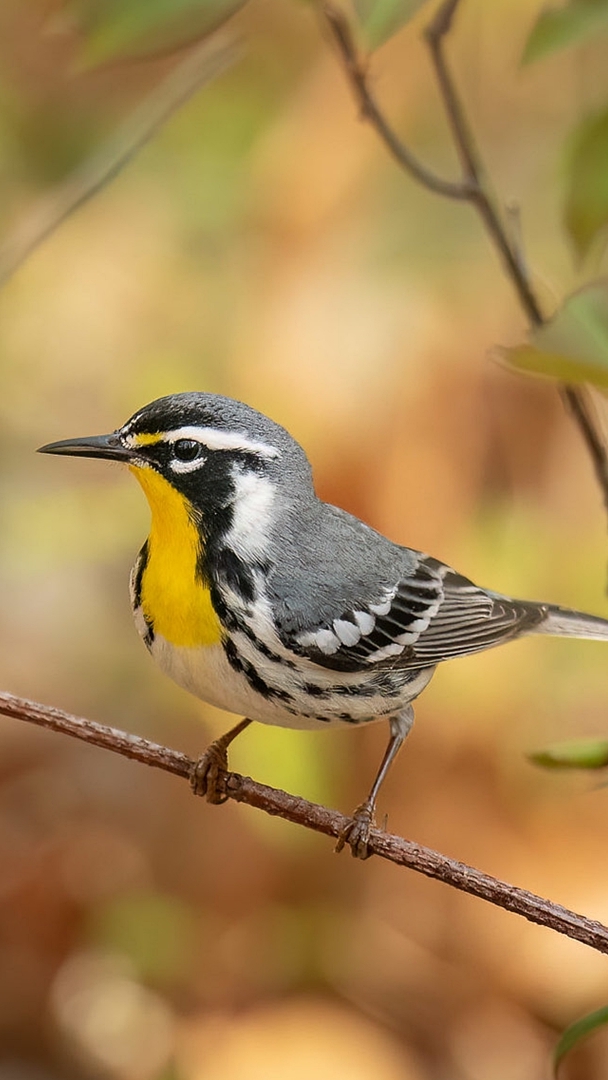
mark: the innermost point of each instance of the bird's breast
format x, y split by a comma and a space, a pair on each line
174, 597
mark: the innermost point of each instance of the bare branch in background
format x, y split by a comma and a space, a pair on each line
473, 188
319, 819
200, 66
369, 109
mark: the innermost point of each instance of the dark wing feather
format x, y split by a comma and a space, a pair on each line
431, 614
470, 619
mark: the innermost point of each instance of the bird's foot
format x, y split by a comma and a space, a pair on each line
209, 772
208, 776
356, 833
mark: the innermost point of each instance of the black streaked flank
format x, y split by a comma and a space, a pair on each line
236, 574
261, 647
149, 634
226, 615
315, 691
361, 689
137, 580
140, 566
255, 680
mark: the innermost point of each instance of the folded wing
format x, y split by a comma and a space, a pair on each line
430, 614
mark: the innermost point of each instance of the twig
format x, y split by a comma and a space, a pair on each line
463, 139
370, 110
320, 819
472, 188
580, 405
436, 31
199, 67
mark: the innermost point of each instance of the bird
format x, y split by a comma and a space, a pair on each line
259, 598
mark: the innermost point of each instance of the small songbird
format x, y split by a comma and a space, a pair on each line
259, 598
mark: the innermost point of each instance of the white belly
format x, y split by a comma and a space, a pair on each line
205, 672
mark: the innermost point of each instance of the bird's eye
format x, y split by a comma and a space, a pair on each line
186, 449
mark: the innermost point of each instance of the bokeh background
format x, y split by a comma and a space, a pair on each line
264, 246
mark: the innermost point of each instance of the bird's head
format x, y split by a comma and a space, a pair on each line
206, 453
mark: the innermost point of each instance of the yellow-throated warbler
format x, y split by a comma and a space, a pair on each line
259, 598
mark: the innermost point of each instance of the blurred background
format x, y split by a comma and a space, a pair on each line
263, 245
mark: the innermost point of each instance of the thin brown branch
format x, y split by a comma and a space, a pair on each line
199, 67
472, 188
369, 109
320, 819
573, 397
435, 32
581, 407
464, 141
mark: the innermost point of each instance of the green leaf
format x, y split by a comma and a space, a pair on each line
555, 29
573, 345
586, 206
577, 1031
380, 19
115, 29
573, 754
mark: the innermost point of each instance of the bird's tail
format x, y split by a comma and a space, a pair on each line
562, 622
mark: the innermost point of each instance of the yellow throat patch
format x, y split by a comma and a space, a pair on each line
173, 599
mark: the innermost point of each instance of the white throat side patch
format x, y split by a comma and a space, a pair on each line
253, 514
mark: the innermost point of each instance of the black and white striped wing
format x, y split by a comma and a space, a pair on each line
430, 615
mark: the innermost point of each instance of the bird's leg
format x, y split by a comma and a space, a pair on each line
356, 833
212, 764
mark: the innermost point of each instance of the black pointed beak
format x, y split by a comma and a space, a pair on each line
97, 446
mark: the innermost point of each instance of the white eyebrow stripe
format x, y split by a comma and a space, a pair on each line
214, 439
